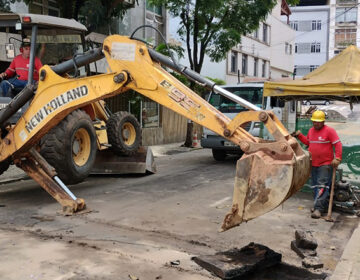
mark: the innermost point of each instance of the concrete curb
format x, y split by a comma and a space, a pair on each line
14, 179
15, 174
348, 268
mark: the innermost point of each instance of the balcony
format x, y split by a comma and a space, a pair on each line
346, 2
344, 44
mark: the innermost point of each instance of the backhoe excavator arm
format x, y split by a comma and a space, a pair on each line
267, 174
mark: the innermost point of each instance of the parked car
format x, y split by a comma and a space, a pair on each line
252, 92
317, 102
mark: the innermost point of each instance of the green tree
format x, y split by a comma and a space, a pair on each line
5, 5
99, 14
96, 15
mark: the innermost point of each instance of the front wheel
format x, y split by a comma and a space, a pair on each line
218, 155
71, 147
124, 133
308, 103
327, 103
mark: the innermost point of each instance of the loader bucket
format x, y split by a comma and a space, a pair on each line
262, 183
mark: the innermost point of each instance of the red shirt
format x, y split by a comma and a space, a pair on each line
20, 66
321, 144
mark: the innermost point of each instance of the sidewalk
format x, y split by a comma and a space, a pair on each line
348, 268
14, 173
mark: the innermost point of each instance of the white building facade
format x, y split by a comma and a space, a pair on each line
311, 24
344, 25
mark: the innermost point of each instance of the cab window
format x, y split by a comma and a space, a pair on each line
225, 105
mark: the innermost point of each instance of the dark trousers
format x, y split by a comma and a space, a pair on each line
11, 83
321, 182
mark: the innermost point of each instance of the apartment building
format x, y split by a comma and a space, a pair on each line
344, 25
311, 24
265, 54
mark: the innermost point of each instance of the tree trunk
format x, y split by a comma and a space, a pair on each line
189, 133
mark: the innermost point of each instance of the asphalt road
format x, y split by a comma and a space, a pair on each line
137, 225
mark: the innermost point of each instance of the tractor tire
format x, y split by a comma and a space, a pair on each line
218, 155
4, 165
124, 133
71, 147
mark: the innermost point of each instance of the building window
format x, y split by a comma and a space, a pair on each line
288, 48
244, 65
316, 25
346, 15
263, 69
294, 25
256, 34
256, 63
233, 62
313, 67
315, 47
153, 8
296, 47
265, 33
345, 37
146, 111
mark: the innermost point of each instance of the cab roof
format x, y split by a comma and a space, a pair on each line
42, 20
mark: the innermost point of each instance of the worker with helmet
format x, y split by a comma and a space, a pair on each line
16, 76
321, 139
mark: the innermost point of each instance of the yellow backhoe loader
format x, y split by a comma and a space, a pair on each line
55, 40
268, 173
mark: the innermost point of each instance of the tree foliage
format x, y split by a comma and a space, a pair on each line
100, 13
5, 5
213, 27
96, 15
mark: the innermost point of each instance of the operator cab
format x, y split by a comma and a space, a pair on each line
53, 40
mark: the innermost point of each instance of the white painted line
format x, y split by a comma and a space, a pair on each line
217, 203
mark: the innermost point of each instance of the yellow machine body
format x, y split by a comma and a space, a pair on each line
267, 174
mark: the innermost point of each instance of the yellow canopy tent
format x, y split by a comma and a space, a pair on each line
338, 79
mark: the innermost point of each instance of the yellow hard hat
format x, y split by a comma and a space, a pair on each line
318, 116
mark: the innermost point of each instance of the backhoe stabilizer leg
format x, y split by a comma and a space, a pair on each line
38, 169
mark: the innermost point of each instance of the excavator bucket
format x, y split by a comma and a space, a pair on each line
262, 184
267, 174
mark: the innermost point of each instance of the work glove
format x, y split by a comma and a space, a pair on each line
296, 133
335, 162
3, 75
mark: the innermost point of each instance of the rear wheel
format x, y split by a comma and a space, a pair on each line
4, 165
70, 147
327, 103
124, 133
308, 103
218, 155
